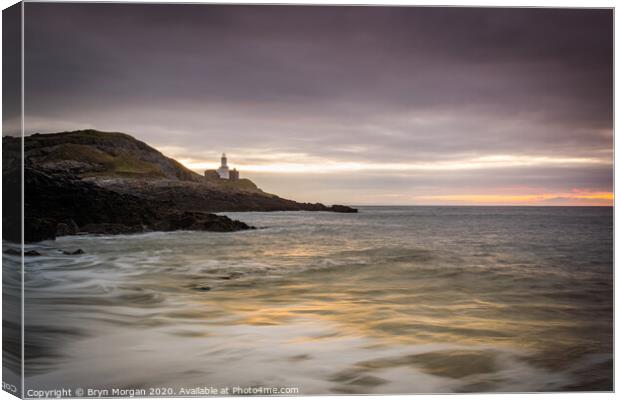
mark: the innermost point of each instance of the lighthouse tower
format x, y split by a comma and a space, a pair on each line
223, 171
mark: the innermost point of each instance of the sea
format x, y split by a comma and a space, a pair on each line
389, 300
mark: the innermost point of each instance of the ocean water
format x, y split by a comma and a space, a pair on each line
390, 300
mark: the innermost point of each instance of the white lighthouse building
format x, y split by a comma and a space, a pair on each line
223, 171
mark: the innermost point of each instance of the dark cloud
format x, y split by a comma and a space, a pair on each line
392, 83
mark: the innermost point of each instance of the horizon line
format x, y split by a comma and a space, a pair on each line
474, 205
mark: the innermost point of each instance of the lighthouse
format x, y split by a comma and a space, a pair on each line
223, 171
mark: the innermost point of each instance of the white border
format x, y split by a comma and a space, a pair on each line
479, 3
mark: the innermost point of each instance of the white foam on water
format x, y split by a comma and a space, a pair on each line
309, 354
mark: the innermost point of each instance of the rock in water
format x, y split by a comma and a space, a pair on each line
73, 253
343, 209
30, 253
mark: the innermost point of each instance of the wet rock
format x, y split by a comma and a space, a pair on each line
199, 221
106, 228
73, 253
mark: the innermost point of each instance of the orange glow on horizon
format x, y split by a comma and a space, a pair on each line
573, 198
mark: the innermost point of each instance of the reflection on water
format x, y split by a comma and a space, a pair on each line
391, 300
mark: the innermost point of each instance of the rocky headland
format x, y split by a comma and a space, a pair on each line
110, 183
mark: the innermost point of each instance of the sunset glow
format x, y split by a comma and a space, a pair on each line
576, 197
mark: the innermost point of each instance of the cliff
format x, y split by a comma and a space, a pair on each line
109, 182
97, 156
121, 163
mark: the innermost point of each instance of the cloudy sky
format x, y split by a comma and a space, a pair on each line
354, 105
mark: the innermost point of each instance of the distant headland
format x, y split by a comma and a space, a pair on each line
89, 181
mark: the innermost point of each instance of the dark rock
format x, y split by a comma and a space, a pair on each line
61, 204
343, 209
73, 253
106, 228
67, 228
194, 196
199, 221
202, 288
32, 253
39, 228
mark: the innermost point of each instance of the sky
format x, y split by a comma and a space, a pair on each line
349, 105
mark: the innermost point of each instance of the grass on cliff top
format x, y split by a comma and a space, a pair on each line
224, 184
122, 164
241, 184
82, 146
85, 134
